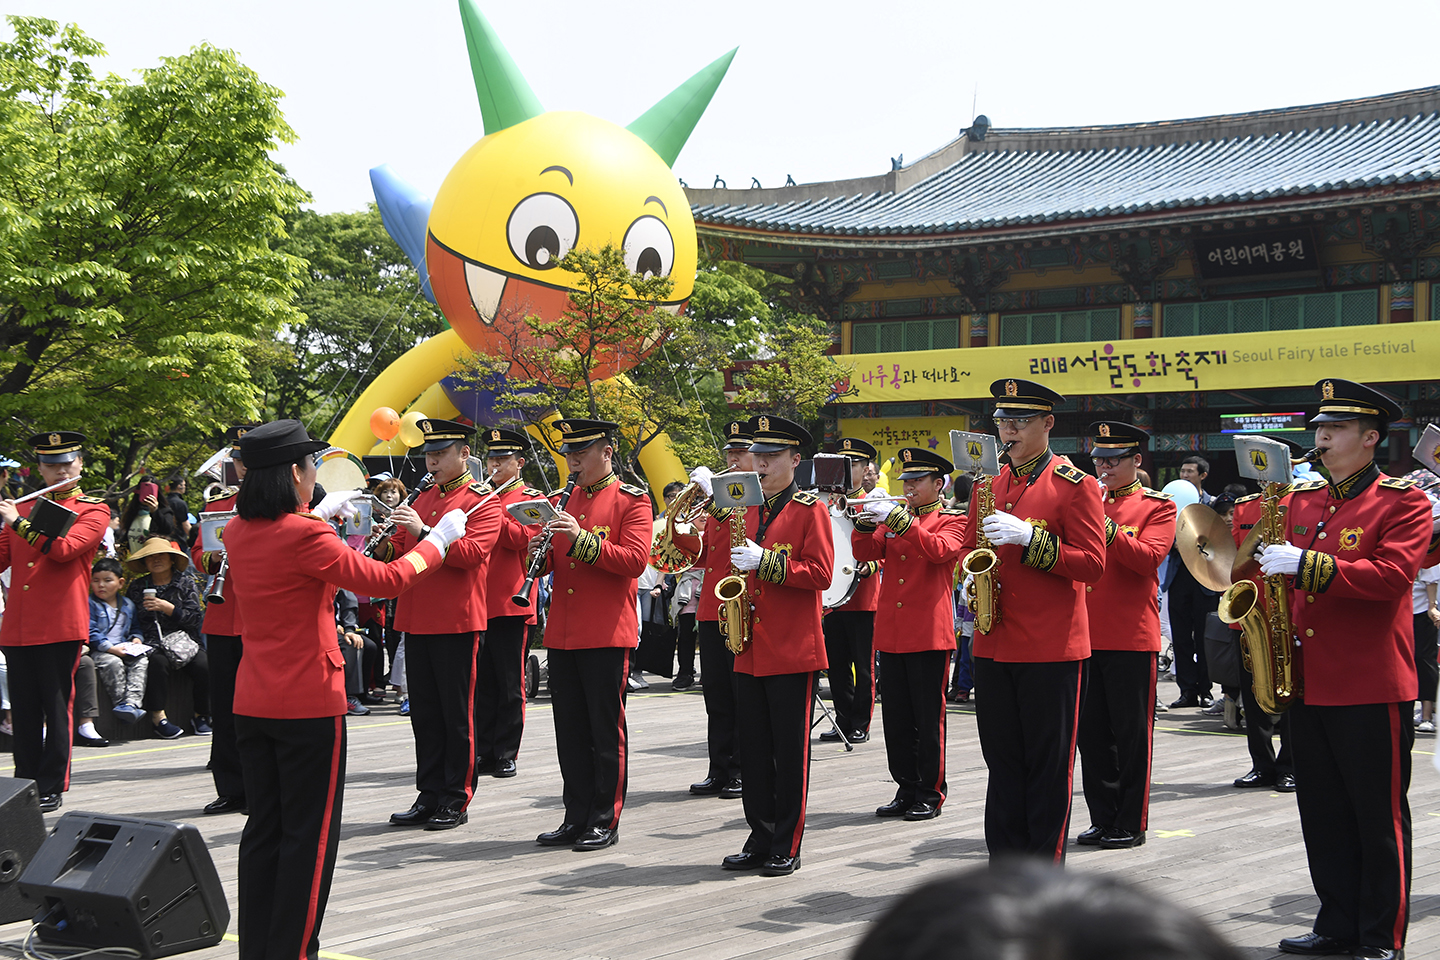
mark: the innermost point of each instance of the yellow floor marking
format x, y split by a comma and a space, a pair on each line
1168, 834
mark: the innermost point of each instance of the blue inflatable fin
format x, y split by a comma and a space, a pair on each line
405, 211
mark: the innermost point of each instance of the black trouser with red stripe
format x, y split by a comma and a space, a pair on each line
913, 709
225, 653
295, 785
717, 668
1027, 715
587, 696
775, 717
1117, 731
42, 698
1352, 773
849, 642
440, 677
500, 690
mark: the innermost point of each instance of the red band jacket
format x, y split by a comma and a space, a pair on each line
50, 578
285, 573
1124, 606
1364, 540
785, 589
507, 563
916, 609
1043, 616
453, 599
714, 557
221, 619
593, 602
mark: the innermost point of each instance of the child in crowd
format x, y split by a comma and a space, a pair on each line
120, 662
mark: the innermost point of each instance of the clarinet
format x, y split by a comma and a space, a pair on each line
217, 586
522, 599
384, 529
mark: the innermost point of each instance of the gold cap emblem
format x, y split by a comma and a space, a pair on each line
1104, 429
905, 455
494, 435
1011, 390
241, 432
1327, 390
844, 444
734, 429
54, 439
424, 426
764, 423
564, 426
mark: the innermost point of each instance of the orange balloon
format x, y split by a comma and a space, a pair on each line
384, 423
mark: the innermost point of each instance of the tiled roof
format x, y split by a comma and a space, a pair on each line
1029, 177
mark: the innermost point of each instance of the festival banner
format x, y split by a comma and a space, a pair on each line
889, 434
1234, 361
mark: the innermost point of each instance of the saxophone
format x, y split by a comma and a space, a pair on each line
983, 594
1267, 638
734, 595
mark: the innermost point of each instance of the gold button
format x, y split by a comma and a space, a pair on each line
582, 516
1009, 505
1309, 598
1309, 632
572, 566
1110, 500
442, 495
1332, 509
902, 580
432, 513
569, 589
30, 564
899, 604
709, 569
26, 587
902, 556
589, 496
1088, 588
1322, 535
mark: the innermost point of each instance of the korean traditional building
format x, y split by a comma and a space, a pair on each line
1195, 277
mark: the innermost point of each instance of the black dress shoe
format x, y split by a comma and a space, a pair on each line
922, 811
1315, 945
860, 736
1117, 839
1285, 783
596, 838
744, 860
226, 805
895, 808
504, 769
1376, 953
780, 866
1204, 701
447, 817
83, 741
484, 765
416, 816
562, 836
733, 789
1254, 779
1186, 700
1091, 837
830, 736
50, 802
708, 787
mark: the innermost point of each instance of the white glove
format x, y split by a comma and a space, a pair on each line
1003, 528
1282, 558
337, 504
878, 510
1434, 517
450, 528
965, 589
746, 557
702, 475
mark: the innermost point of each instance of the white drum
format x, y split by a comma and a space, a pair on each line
845, 577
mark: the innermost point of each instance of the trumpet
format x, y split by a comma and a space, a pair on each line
856, 509
687, 507
217, 587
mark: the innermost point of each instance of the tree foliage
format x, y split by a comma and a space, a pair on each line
138, 276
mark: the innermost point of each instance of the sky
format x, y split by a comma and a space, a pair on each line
818, 91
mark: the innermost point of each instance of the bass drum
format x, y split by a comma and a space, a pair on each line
846, 576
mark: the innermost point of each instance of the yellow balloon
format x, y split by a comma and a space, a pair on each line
410, 433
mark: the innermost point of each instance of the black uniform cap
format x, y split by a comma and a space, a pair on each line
1023, 398
857, 449
60, 446
502, 443
916, 463
1348, 400
738, 434
1111, 438
440, 434
576, 435
774, 434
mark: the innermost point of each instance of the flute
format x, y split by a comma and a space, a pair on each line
54, 486
522, 599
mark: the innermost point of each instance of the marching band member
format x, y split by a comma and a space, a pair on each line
1354, 547
222, 642
919, 542
850, 628
788, 565
717, 663
600, 546
47, 619
444, 623
1117, 722
1049, 535
500, 684
290, 690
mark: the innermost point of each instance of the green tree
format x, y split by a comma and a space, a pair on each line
362, 309
138, 273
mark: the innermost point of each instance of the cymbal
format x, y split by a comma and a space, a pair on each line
1245, 565
1206, 545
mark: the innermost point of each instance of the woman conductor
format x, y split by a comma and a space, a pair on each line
285, 566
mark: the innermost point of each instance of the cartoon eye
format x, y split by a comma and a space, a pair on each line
649, 248
542, 229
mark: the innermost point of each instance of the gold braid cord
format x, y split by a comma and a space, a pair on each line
772, 567
1043, 552
1317, 570
587, 547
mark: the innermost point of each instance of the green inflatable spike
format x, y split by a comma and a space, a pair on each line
667, 125
505, 98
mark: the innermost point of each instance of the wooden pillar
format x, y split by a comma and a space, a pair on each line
1401, 297
1143, 320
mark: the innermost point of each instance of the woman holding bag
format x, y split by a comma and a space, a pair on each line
167, 617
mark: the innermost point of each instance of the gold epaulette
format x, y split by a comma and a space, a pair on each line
954, 512
532, 492
1395, 483
85, 499
805, 497
1253, 496
480, 487
1071, 473
633, 490
1307, 485
224, 492
1160, 494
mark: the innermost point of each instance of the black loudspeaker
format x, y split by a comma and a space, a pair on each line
150, 885
22, 831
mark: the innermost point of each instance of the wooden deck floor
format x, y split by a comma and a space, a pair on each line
486, 889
